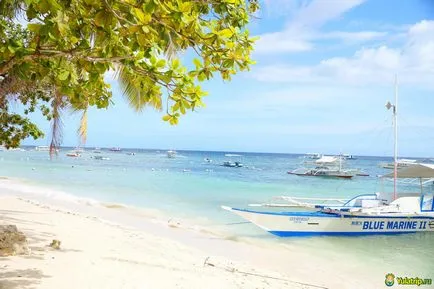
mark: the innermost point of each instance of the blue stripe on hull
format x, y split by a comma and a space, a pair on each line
349, 234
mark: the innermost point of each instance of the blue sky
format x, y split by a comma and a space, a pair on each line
325, 69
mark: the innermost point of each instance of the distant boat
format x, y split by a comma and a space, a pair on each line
208, 160
115, 149
171, 154
131, 153
234, 161
79, 150
349, 157
402, 163
326, 166
313, 156
42, 148
101, 158
96, 150
73, 154
323, 172
16, 149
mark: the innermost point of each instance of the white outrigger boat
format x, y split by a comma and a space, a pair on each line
326, 166
363, 215
402, 163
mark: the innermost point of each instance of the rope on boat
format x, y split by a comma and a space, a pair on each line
235, 270
237, 223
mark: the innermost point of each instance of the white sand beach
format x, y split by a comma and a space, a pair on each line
97, 252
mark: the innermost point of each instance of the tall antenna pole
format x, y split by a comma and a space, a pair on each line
395, 123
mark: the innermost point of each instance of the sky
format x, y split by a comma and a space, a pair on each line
323, 74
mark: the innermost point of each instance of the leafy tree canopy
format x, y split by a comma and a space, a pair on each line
59, 59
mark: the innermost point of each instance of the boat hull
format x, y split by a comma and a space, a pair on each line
324, 176
290, 224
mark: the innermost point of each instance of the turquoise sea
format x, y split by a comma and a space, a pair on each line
188, 187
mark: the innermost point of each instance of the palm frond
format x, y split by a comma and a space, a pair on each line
131, 91
82, 130
56, 124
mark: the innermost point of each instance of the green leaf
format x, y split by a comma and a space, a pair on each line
197, 63
226, 33
161, 63
11, 48
142, 39
139, 14
34, 27
63, 75
166, 117
201, 76
175, 107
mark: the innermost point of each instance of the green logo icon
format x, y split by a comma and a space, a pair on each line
390, 280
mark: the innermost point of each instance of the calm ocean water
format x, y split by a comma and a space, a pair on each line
190, 187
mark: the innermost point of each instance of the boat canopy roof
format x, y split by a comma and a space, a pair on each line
326, 159
414, 171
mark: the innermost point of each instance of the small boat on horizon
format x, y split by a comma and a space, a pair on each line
42, 148
115, 149
73, 154
101, 158
349, 157
313, 156
171, 154
97, 150
233, 161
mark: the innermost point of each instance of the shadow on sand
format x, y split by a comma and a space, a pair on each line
21, 279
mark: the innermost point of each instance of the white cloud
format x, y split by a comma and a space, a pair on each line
318, 12
281, 42
414, 62
359, 36
305, 18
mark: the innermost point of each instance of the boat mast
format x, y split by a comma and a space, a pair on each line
395, 124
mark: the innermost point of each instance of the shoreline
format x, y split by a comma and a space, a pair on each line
133, 238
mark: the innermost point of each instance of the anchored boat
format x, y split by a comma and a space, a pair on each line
326, 166
233, 161
363, 216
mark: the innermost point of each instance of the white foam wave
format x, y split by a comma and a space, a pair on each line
30, 189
